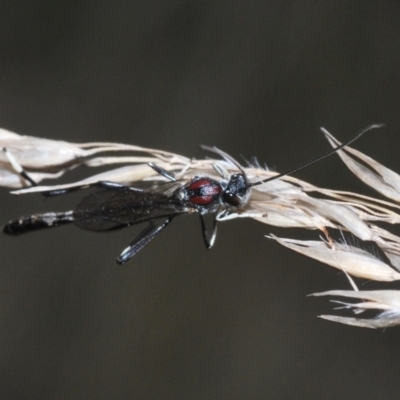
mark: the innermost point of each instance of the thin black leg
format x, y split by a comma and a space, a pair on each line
141, 240
101, 184
163, 172
18, 167
209, 242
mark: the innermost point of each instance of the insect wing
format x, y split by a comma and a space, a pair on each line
116, 207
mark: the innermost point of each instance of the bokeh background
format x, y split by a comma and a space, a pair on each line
179, 322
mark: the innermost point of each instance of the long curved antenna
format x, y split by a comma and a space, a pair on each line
319, 158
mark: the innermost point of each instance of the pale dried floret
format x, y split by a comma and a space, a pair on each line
350, 259
378, 177
386, 301
49, 159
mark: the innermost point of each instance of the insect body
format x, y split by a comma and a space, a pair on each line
111, 205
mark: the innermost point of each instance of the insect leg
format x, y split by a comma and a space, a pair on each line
18, 167
141, 240
163, 172
101, 184
209, 242
37, 221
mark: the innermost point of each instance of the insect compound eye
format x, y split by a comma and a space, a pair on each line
236, 192
231, 199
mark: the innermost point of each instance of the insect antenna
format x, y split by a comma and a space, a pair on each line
316, 159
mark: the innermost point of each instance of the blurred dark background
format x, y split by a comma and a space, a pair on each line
179, 322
